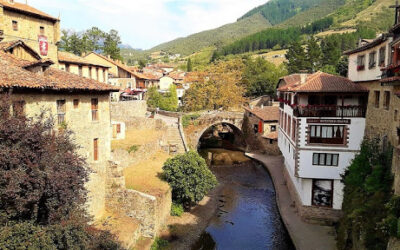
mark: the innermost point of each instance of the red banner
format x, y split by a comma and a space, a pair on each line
43, 45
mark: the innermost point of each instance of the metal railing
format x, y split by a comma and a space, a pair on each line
329, 111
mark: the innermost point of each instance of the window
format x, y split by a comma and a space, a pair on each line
396, 114
386, 100
294, 127
18, 108
323, 159
76, 103
90, 72
97, 74
67, 67
41, 30
15, 25
96, 149
361, 62
255, 128
61, 110
377, 98
95, 109
327, 134
382, 56
322, 193
118, 128
372, 60
80, 71
289, 125
273, 128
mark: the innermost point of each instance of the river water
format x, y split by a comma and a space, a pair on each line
247, 217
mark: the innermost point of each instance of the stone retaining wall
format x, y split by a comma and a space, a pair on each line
128, 110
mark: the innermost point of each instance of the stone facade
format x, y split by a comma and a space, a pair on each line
28, 30
128, 111
79, 120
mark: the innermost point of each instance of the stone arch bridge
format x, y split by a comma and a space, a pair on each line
194, 132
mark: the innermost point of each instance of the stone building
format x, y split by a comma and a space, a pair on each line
380, 77
262, 128
83, 105
321, 127
82, 67
38, 30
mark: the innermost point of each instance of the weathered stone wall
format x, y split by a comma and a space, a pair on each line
256, 141
128, 111
29, 29
79, 120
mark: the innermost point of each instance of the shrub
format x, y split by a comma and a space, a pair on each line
133, 148
176, 209
189, 177
159, 244
188, 119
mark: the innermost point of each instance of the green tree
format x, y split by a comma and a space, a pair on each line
331, 51
111, 45
189, 177
94, 38
330, 69
261, 76
189, 67
297, 60
313, 56
169, 101
153, 97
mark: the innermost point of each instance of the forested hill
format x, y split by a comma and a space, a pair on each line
277, 11
215, 37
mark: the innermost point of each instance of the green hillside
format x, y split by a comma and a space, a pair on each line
216, 37
277, 11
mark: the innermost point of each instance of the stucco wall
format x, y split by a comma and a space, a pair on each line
74, 69
85, 130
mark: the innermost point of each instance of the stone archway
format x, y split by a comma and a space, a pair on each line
226, 131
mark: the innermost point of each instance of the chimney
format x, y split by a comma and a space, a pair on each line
303, 78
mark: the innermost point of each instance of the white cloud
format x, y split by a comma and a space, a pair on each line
146, 23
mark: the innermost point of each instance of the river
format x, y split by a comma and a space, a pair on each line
247, 217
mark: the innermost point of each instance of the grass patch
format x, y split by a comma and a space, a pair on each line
159, 244
133, 148
177, 209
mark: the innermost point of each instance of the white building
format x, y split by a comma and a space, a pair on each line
321, 127
366, 61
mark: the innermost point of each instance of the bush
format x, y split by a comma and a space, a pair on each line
189, 119
189, 177
133, 148
177, 209
159, 244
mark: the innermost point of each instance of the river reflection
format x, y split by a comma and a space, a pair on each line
247, 217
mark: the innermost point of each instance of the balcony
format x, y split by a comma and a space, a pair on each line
329, 111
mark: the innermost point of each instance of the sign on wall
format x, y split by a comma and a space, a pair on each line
329, 121
43, 45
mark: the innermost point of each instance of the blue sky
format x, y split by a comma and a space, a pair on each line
146, 23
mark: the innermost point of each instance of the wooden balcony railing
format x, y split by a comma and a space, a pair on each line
329, 111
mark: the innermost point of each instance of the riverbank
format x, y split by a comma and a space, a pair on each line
305, 236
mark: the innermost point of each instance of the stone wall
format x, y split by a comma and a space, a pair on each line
128, 111
256, 141
29, 29
310, 214
79, 121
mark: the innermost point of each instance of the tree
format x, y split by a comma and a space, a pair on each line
217, 87
111, 45
189, 66
296, 58
313, 56
153, 97
189, 177
331, 51
343, 66
167, 101
261, 76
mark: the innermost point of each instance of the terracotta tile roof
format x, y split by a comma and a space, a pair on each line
24, 8
14, 75
370, 43
150, 76
176, 75
267, 113
272, 135
71, 58
120, 65
6, 46
321, 82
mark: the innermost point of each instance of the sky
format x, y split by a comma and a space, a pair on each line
146, 23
